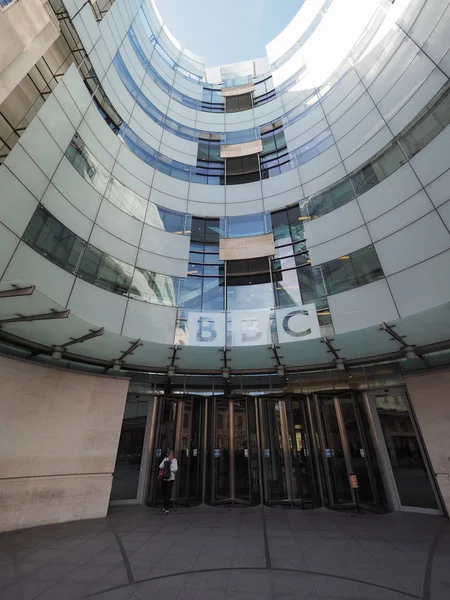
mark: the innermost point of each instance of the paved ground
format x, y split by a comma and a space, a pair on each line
230, 554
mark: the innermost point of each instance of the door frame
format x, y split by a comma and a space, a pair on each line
231, 446
385, 461
336, 397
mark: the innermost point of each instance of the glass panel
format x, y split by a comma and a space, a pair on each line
350, 271
190, 452
86, 164
52, 239
105, 271
378, 169
334, 455
273, 458
253, 295
241, 451
327, 201
357, 450
154, 287
408, 465
221, 464
166, 439
129, 455
287, 288
302, 478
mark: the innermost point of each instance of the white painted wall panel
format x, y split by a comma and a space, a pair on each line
423, 286
439, 189
135, 165
66, 213
432, 161
97, 306
8, 245
112, 245
324, 180
42, 148
413, 244
205, 209
56, 121
281, 183
444, 212
213, 194
334, 224
17, 204
149, 321
26, 171
64, 98
170, 185
341, 246
319, 165
98, 150
244, 192
164, 243
162, 264
29, 266
130, 181
119, 224
389, 193
362, 307
369, 149
402, 215
244, 208
76, 189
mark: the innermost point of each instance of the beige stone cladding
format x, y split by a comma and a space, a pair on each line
430, 397
59, 433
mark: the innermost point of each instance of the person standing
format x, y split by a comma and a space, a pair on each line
169, 467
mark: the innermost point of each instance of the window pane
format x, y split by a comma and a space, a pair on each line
86, 164
125, 199
384, 165
105, 271
154, 287
327, 201
213, 298
252, 295
190, 293
287, 288
52, 239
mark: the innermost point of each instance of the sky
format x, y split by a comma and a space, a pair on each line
227, 31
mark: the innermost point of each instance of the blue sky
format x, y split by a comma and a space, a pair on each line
227, 31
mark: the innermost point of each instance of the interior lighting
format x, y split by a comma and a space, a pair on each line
117, 365
57, 352
410, 353
343, 257
304, 218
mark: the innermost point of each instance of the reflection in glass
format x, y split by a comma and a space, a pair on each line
287, 288
125, 199
274, 460
405, 454
221, 458
154, 287
129, 455
86, 164
52, 239
105, 271
252, 295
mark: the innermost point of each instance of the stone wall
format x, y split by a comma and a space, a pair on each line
59, 432
430, 397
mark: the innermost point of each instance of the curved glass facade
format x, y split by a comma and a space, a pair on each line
271, 202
